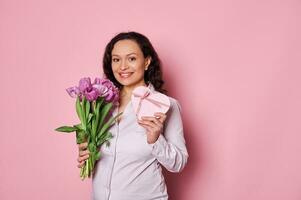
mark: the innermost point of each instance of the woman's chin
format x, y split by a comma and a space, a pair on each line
131, 83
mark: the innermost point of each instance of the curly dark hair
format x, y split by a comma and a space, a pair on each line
152, 75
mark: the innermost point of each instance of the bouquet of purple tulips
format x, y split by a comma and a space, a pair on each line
94, 104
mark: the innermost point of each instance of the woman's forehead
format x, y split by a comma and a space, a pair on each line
126, 47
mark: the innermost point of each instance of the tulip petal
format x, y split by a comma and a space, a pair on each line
73, 91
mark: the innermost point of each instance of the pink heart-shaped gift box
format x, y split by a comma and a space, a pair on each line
147, 102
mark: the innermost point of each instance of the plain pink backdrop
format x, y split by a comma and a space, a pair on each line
233, 65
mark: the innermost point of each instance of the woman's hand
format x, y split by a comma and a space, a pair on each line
83, 154
154, 126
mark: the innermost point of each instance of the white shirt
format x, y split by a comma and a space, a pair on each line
130, 168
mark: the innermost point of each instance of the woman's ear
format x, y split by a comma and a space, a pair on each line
148, 60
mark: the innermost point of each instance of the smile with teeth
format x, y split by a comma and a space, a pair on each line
125, 74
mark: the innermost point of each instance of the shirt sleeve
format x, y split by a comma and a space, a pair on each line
170, 149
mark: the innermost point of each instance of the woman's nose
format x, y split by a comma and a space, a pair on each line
123, 65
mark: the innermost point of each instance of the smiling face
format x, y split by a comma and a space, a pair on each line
129, 63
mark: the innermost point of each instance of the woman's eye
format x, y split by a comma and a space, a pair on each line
115, 59
132, 58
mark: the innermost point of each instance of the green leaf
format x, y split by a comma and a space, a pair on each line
95, 121
84, 102
92, 147
108, 124
90, 115
98, 154
79, 127
87, 109
94, 127
108, 143
108, 137
79, 112
104, 137
103, 113
88, 131
99, 102
66, 129
81, 137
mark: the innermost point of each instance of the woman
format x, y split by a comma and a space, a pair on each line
130, 167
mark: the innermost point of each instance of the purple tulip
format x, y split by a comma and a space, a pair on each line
108, 84
97, 81
73, 91
109, 96
85, 85
100, 87
112, 94
91, 95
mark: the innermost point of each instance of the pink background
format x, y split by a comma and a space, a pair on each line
233, 65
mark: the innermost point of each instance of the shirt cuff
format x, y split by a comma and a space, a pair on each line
159, 145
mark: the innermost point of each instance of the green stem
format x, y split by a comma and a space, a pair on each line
83, 171
81, 174
87, 168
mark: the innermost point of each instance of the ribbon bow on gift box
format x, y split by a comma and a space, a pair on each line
147, 103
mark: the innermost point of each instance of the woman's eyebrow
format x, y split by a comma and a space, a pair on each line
126, 55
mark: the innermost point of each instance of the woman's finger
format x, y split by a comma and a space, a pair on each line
81, 164
83, 146
148, 123
147, 127
82, 158
161, 117
152, 127
83, 153
152, 119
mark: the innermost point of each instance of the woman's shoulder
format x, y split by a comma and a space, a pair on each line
174, 103
175, 111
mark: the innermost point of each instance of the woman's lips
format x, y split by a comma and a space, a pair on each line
125, 74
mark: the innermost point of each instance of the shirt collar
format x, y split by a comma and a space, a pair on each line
151, 87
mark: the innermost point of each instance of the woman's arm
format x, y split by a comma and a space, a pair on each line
170, 149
